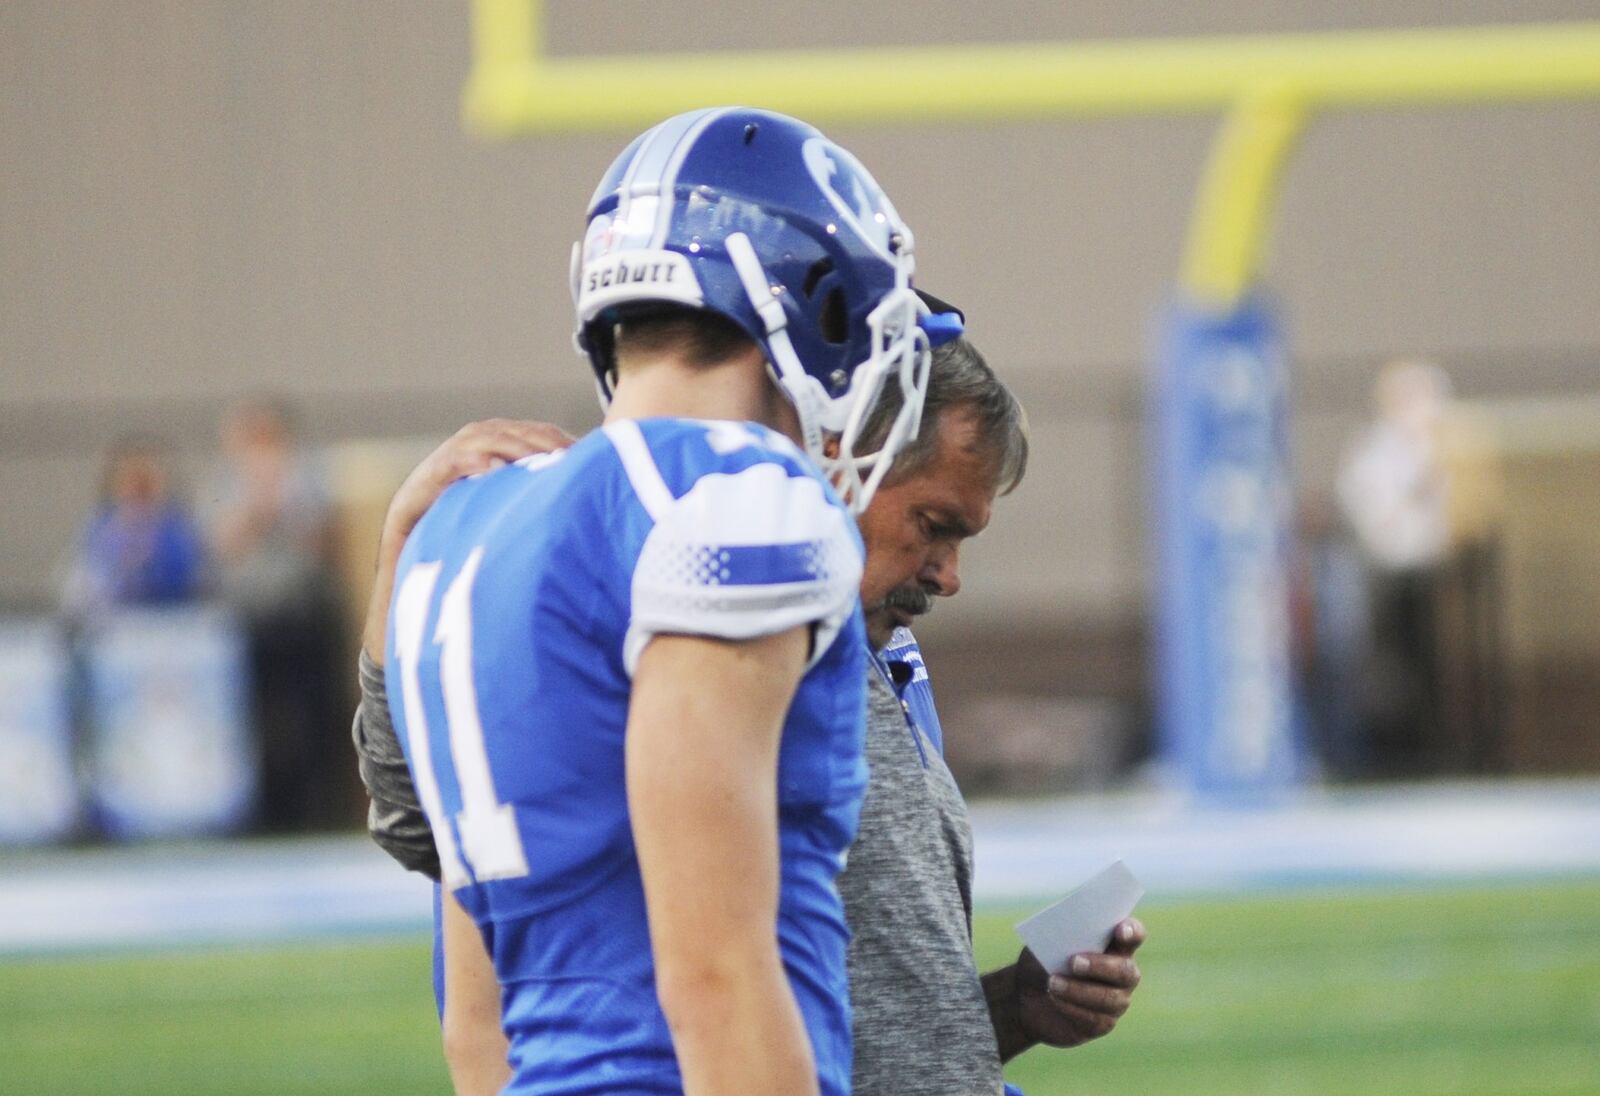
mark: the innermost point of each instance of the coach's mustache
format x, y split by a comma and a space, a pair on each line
912, 600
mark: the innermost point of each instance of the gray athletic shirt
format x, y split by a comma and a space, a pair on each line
921, 1023
922, 1026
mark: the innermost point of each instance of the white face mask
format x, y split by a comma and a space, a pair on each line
899, 354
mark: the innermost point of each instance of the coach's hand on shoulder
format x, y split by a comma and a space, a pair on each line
1030, 1006
476, 447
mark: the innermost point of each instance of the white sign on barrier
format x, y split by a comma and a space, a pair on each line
38, 796
171, 753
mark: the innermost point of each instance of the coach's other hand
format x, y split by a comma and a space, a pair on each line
1030, 1006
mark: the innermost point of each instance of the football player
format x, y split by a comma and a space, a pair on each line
627, 674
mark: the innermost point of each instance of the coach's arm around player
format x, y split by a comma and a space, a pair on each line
395, 818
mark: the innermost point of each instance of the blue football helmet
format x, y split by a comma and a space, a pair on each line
761, 219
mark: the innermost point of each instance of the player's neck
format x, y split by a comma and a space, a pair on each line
738, 390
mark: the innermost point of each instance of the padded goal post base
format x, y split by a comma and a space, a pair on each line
1224, 500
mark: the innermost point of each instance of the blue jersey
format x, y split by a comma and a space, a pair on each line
523, 600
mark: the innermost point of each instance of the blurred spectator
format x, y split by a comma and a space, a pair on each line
1394, 489
1332, 633
1420, 490
272, 535
1393, 483
141, 546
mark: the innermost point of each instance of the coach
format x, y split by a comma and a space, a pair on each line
925, 1022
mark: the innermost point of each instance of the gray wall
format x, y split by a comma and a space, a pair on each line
201, 200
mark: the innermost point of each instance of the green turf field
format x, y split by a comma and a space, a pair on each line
1399, 994
1431, 991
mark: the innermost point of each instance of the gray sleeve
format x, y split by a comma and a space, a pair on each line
395, 819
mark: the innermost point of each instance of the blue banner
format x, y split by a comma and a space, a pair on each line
171, 751
1224, 501
38, 793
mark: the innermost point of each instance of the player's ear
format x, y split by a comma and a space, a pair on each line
830, 446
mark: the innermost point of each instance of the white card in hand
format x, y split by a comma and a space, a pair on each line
1083, 920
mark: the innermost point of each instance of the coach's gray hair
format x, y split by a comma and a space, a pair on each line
958, 377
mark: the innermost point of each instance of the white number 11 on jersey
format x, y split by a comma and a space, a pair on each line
490, 842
